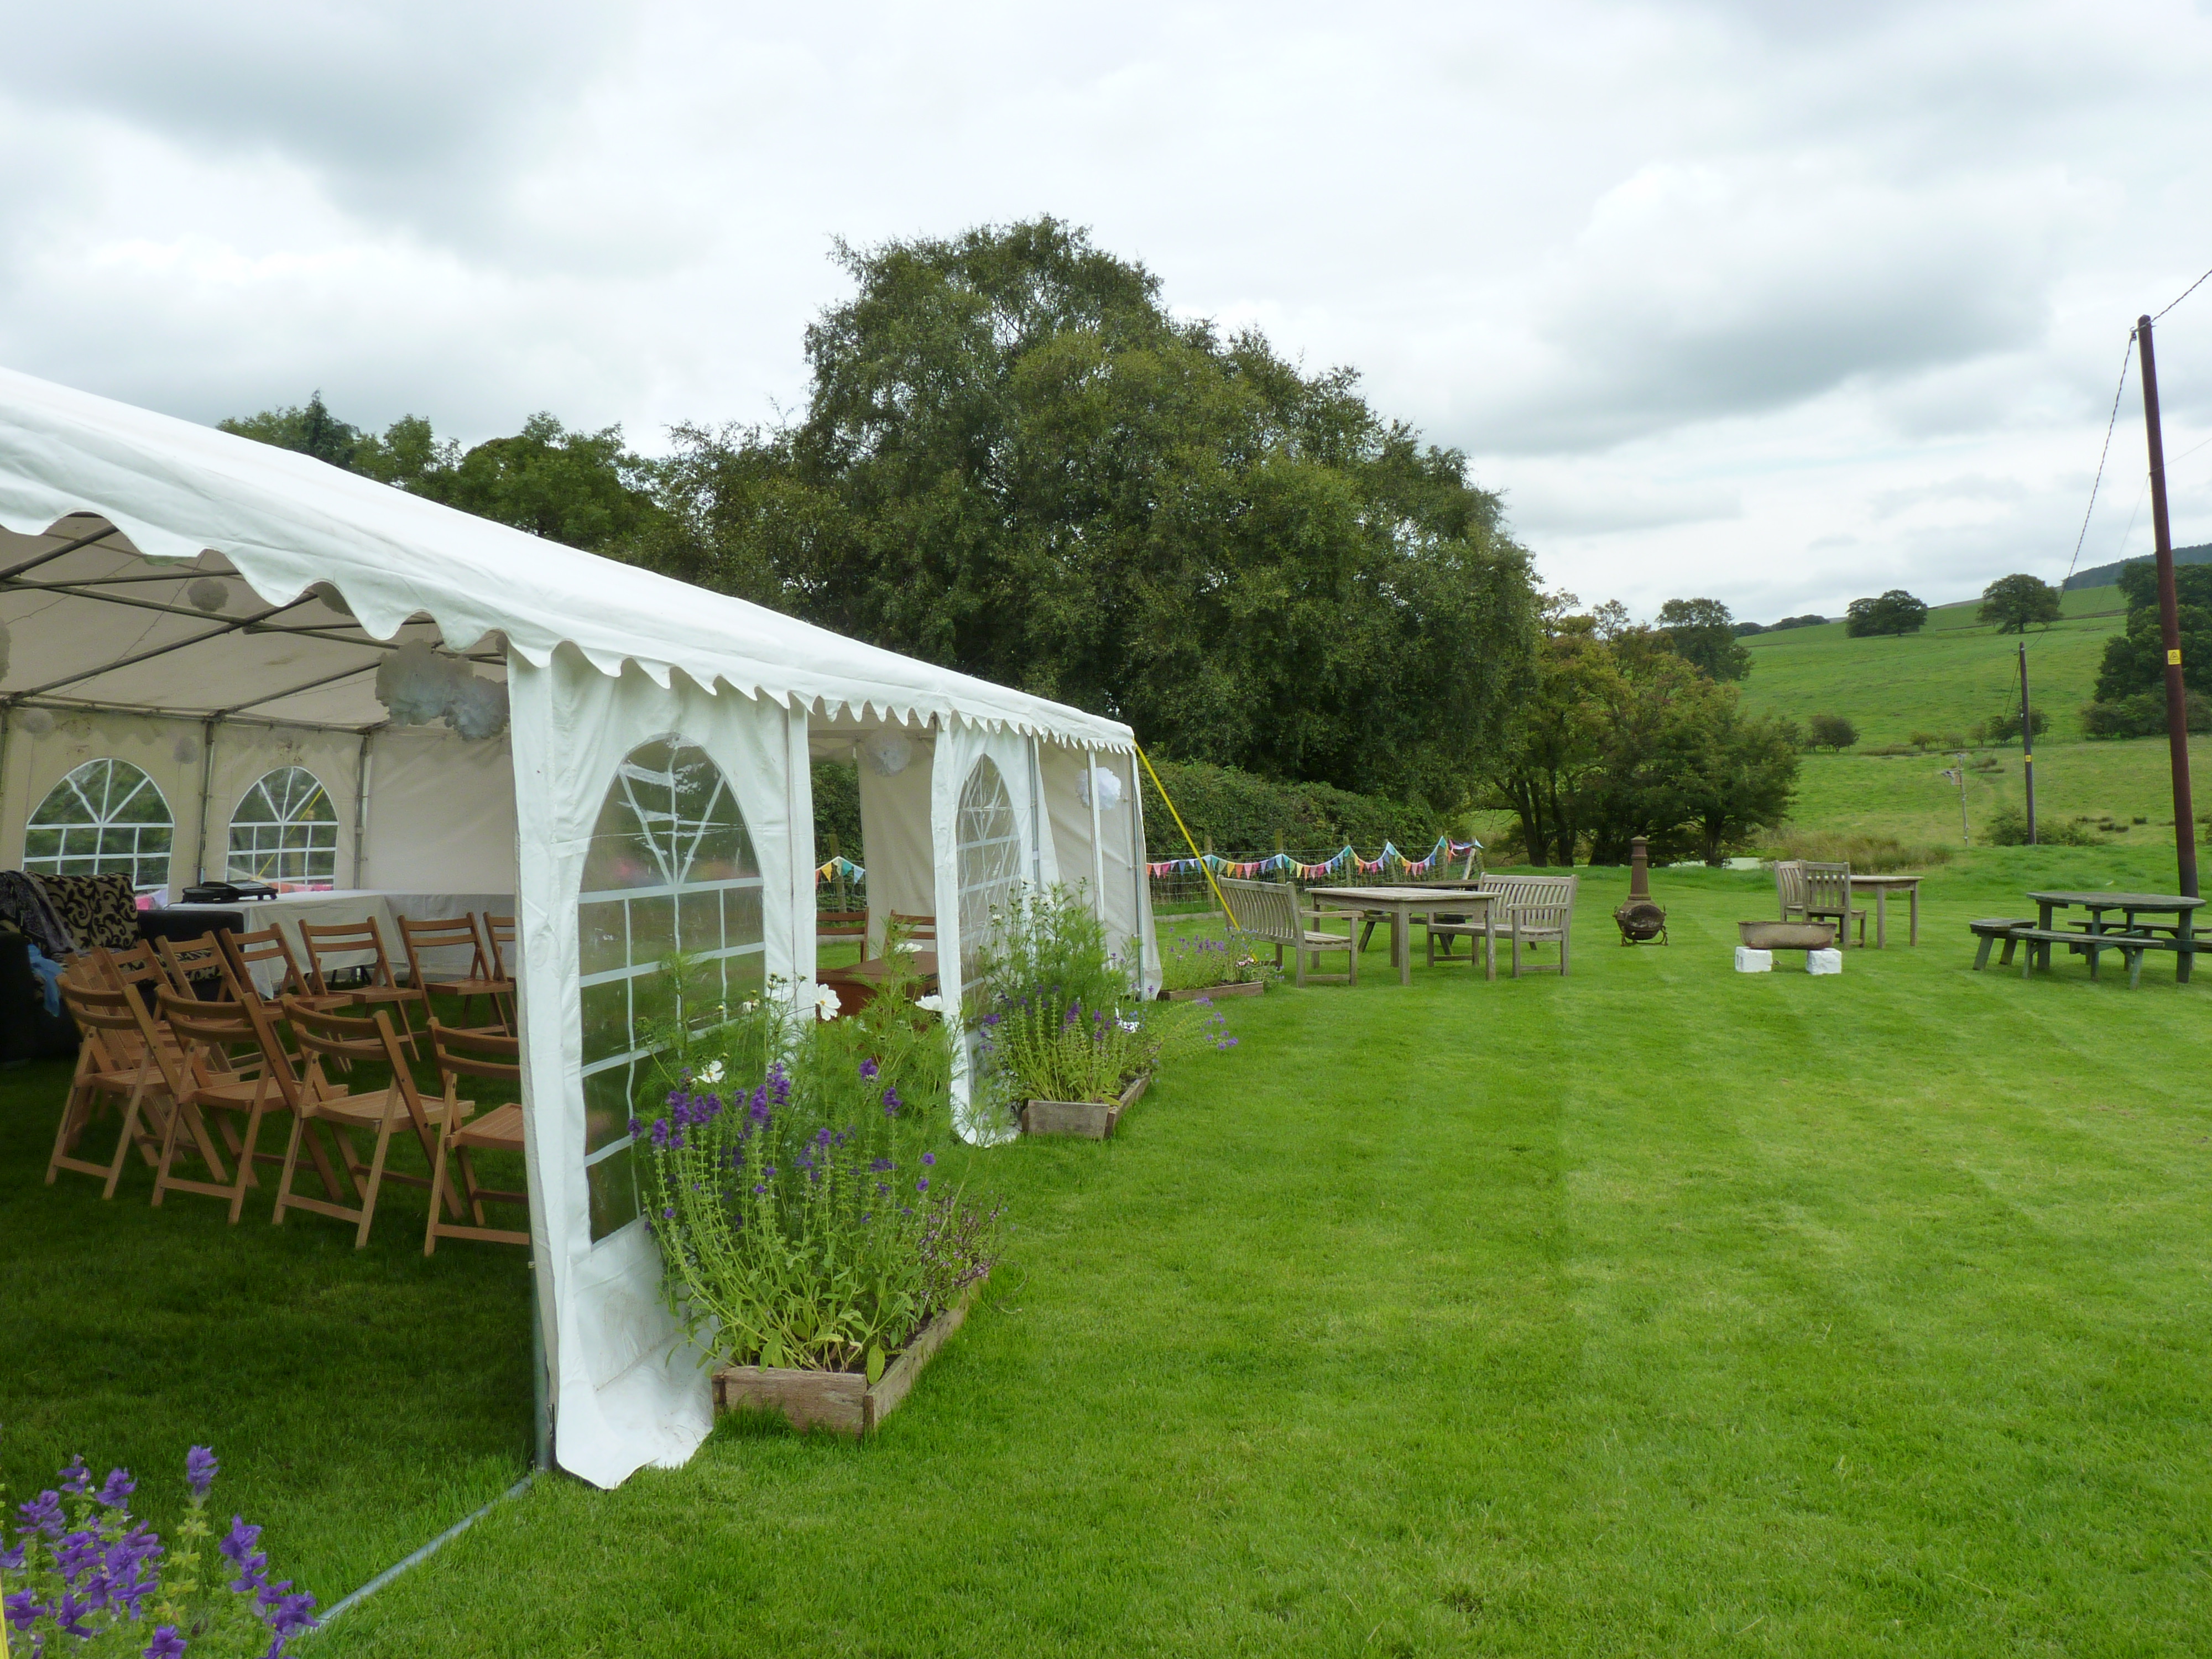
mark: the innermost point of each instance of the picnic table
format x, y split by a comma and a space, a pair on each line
2176, 935
1401, 904
1881, 887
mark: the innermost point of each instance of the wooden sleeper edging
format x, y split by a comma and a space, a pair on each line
844, 1402
1093, 1120
1243, 988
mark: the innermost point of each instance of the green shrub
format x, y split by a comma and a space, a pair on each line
2143, 715
2007, 826
2003, 726
1831, 731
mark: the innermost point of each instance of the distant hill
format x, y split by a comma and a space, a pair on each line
2108, 575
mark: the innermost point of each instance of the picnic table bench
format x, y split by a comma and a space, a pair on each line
2132, 937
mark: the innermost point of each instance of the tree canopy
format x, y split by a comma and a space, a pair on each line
1895, 612
2135, 659
1014, 460
1702, 632
2012, 603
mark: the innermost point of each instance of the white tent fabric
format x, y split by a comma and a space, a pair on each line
161, 580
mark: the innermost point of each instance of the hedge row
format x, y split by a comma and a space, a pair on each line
1246, 813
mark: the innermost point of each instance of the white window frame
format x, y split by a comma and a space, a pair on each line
317, 845
100, 824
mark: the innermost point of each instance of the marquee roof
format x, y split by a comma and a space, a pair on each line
114, 520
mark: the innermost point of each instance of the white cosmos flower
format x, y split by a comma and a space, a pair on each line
710, 1074
933, 1003
826, 1004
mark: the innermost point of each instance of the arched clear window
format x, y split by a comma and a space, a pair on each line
670, 871
286, 831
105, 819
989, 843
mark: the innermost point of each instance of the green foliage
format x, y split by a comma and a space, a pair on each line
799, 1217
1895, 612
837, 810
1624, 738
1057, 1019
1831, 731
2013, 602
310, 430
2143, 715
1703, 633
1245, 813
2135, 659
1194, 961
1016, 461
2008, 827
2003, 726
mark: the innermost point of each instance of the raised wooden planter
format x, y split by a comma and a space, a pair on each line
1243, 988
844, 1402
1093, 1120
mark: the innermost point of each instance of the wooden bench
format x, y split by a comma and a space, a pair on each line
1269, 913
2131, 947
1990, 930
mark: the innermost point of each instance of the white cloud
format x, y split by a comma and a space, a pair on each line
1783, 304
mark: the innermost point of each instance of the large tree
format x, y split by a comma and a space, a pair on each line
1702, 632
1015, 461
1895, 612
2135, 659
2015, 602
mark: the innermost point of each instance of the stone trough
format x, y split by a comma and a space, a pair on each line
1760, 940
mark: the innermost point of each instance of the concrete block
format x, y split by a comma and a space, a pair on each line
1748, 961
1823, 961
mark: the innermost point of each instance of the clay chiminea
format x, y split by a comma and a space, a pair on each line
1639, 919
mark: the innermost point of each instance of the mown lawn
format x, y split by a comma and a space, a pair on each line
1658, 1310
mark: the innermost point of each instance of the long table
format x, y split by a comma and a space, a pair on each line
330, 909
2177, 935
1400, 904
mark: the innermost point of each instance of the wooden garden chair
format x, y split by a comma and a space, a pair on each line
209, 1082
326, 1037
498, 1129
458, 933
1535, 910
1828, 898
120, 1057
916, 930
1271, 912
381, 990
1790, 888
244, 952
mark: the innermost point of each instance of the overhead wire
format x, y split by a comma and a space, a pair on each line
2127, 356
2184, 294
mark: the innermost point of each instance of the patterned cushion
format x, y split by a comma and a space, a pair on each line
96, 909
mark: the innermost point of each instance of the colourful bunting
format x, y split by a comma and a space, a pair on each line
1445, 848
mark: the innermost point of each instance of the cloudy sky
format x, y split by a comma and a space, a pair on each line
1783, 303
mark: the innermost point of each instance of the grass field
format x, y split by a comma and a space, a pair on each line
1945, 680
1656, 1309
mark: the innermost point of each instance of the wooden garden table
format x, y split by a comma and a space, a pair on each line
2130, 905
1883, 887
1401, 903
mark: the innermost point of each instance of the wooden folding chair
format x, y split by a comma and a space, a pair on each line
211, 1083
121, 1056
456, 934
474, 1054
499, 936
187, 963
382, 988
244, 952
326, 1037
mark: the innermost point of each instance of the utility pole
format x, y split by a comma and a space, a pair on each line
1958, 774
2169, 624
2026, 741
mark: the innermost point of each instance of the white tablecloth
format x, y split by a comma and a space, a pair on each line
288, 910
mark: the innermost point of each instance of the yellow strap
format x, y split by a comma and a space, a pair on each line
1186, 841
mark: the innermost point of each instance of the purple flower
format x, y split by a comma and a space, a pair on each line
43, 1514
669, 1213
922, 1185
22, 1607
78, 1552
636, 1128
769, 1172
758, 1189
117, 1490
237, 1548
822, 1137
76, 1479
868, 1069
883, 1165
166, 1645
891, 1103
883, 1189
929, 1157
289, 1614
